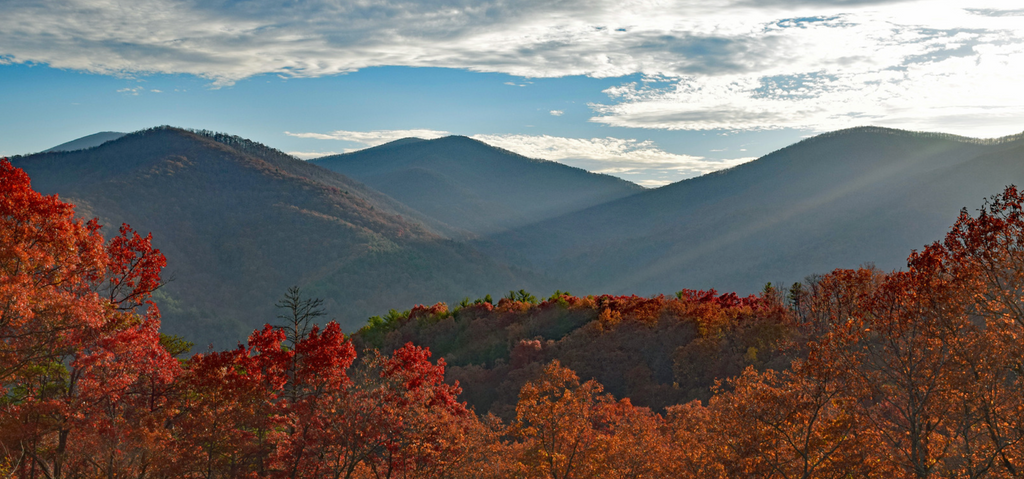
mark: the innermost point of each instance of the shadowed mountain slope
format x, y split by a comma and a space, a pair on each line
471, 185
835, 200
95, 139
240, 222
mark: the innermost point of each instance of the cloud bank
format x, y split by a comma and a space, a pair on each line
953, 65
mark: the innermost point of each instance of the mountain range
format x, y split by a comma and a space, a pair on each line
240, 223
474, 186
864, 195
422, 221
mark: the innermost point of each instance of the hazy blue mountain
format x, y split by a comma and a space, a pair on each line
836, 200
240, 222
95, 139
474, 186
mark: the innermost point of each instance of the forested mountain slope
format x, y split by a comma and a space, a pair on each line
835, 200
471, 185
240, 222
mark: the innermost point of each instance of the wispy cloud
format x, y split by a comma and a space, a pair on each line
367, 139
134, 91
606, 38
995, 12
652, 183
953, 65
309, 155
639, 161
557, 112
957, 79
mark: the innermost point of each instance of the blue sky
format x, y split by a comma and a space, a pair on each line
653, 91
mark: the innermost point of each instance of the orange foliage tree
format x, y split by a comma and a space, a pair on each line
908, 374
565, 429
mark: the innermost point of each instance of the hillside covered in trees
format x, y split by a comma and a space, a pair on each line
471, 185
240, 223
444, 219
657, 351
857, 373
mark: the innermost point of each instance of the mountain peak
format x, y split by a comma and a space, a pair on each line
240, 222
401, 142
457, 138
880, 130
471, 185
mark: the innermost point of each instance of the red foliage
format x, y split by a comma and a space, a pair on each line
636, 308
83, 374
724, 300
420, 311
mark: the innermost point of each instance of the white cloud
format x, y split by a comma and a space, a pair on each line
371, 138
227, 41
598, 149
956, 81
951, 65
309, 155
639, 161
652, 183
557, 112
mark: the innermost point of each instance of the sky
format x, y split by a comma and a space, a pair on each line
653, 91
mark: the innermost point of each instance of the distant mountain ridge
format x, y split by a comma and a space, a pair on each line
915, 134
835, 200
240, 223
314, 173
471, 185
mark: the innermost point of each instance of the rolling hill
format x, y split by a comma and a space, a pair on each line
240, 223
474, 186
836, 200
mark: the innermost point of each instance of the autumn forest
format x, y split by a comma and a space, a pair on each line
854, 373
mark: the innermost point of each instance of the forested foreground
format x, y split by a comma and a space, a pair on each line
857, 373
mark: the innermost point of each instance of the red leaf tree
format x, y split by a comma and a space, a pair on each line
81, 367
